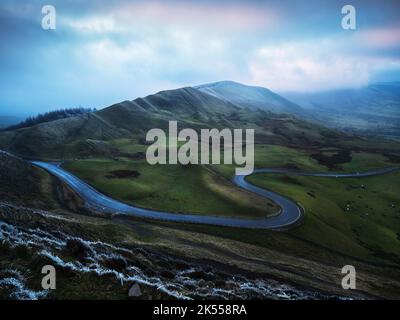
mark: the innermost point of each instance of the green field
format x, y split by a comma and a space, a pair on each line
311, 254
173, 188
358, 217
273, 156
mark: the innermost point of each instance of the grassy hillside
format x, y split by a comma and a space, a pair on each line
21, 183
358, 217
165, 256
251, 97
67, 138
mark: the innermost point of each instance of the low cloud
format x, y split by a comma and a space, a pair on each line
315, 65
106, 51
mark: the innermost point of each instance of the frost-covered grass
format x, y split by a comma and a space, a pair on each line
95, 269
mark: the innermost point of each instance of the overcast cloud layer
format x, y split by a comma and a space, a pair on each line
103, 52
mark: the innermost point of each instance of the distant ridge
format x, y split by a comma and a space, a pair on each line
6, 121
374, 109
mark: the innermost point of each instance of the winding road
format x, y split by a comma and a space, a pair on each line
289, 215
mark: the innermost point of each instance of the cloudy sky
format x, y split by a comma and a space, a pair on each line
103, 52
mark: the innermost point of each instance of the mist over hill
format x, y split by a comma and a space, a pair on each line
7, 120
373, 110
49, 116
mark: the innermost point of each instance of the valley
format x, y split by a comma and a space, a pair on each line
190, 156
354, 220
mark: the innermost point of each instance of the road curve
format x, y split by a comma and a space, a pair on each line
290, 211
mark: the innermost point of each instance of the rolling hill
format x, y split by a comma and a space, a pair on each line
191, 107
